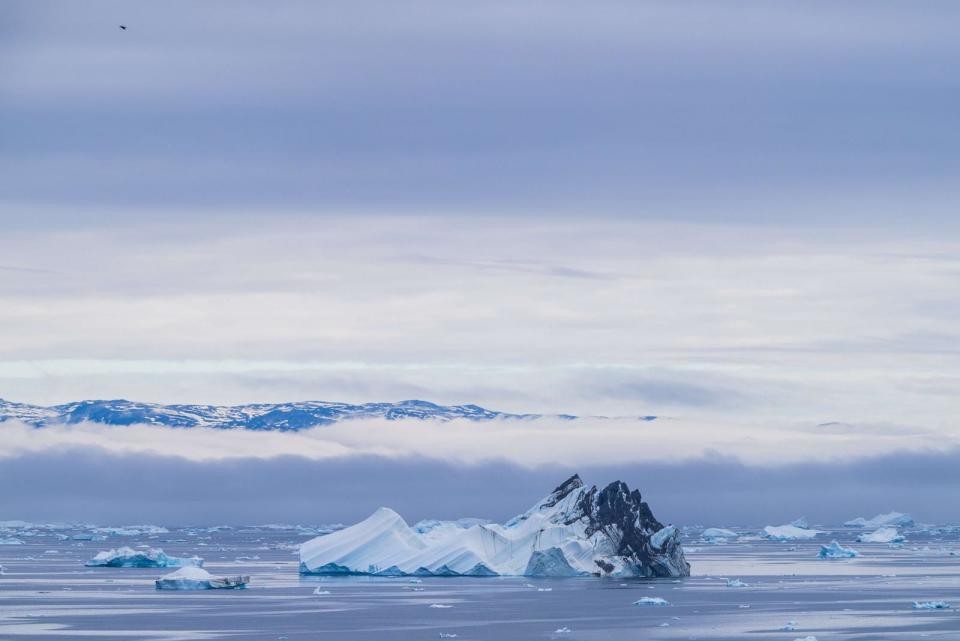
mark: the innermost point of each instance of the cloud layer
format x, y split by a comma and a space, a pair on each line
93, 485
531, 444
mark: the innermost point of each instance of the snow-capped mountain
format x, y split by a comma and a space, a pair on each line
573, 531
257, 416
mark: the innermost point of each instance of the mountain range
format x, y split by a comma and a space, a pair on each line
255, 416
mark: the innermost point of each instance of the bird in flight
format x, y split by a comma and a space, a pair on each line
123, 27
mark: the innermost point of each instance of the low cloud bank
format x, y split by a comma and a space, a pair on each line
525, 443
94, 485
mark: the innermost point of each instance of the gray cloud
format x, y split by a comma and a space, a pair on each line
502, 106
90, 485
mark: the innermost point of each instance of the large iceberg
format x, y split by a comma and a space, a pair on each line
194, 578
125, 557
890, 519
789, 533
574, 531
883, 535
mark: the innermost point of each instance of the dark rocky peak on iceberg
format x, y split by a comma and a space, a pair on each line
617, 505
563, 490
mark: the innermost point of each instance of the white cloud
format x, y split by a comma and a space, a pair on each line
533, 443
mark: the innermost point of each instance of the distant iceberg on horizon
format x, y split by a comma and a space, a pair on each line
574, 531
126, 557
890, 519
790, 532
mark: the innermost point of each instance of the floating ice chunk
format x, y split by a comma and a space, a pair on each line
806, 639
788, 533
563, 630
448, 635
836, 551
194, 578
736, 583
544, 589
789, 627
10, 541
931, 605
319, 591
894, 519
651, 600
718, 535
440, 606
883, 535
801, 523
126, 557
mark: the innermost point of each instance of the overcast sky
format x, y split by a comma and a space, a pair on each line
738, 215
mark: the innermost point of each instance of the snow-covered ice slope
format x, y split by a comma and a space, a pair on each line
573, 531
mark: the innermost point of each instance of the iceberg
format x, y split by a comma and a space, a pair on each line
718, 535
574, 531
836, 551
883, 535
931, 605
788, 533
651, 600
195, 578
126, 557
890, 519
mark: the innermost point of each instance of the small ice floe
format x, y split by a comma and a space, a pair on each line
883, 535
126, 557
806, 639
562, 630
241, 559
448, 635
194, 578
544, 589
10, 541
319, 591
651, 600
440, 606
931, 605
789, 627
718, 535
664, 625
737, 583
744, 606
788, 532
836, 551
